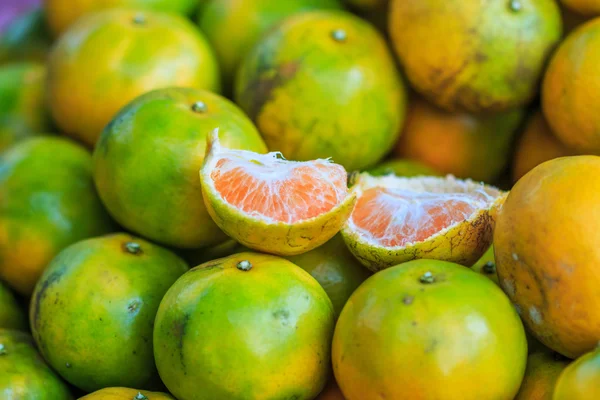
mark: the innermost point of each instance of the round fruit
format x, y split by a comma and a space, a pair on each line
324, 84
93, 310
22, 109
25, 38
401, 219
465, 145
475, 55
61, 14
541, 374
23, 372
399, 167
168, 127
486, 265
273, 205
536, 145
335, 268
120, 393
428, 330
547, 254
234, 26
12, 315
246, 326
579, 381
571, 84
47, 202
585, 7
108, 58
331, 392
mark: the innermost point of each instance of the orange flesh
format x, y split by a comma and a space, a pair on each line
396, 217
280, 190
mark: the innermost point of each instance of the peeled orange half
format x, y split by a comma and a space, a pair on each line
271, 204
400, 219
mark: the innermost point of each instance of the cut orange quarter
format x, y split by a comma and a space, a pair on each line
401, 219
271, 204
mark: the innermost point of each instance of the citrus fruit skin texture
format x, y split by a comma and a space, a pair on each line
93, 310
270, 320
22, 110
23, 372
546, 249
458, 328
47, 202
12, 315
486, 265
401, 167
462, 144
335, 268
234, 26
541, 374
472, 55
569, 92
579, 381
26, 38
109, 58
464, 242
121, 393
162, 126
289, 84
61, 14
536, 145
585, 7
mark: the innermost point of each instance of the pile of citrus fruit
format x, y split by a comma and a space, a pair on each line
300, 199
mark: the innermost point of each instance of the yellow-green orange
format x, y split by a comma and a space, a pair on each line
234, 26
402, 167
486, 265
93, 310
121, 393
108, 58
475, 55
249, 326
541, 374
47, 202
324, 84
25, 38
22, 109
571, 85
585, 7
23, 372
335, 268
162, 199
579, 381
12, 315
462, 144
461, 337
547, 255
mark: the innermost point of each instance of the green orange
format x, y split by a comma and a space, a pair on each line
47, 202
12, 315
541, 374
402, 167
462, 144
291, 84
335, 268
579, 381
429, 330
26, 38
121, 393
486, 265
249, 326
23, 372
162, 199
92, 313
475, 55
109, 58
22, 109
234, 26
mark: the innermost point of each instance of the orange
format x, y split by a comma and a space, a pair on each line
541, 374
475, 55
271, 204
571, 84
580, 380
108, 58
536, 145
402, 167
12, 315
547, 255
61, 14
429, 330
26, 38
249, 326
234, 26
324, 84
585, 7
162, 199
121, 393
462, 144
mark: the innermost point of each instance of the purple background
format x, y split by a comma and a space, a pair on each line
11, 8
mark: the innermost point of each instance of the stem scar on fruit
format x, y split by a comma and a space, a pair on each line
244, 265
132, 247
199, 107
339, 35
427, 278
